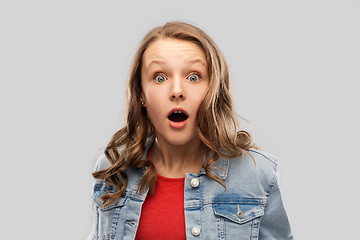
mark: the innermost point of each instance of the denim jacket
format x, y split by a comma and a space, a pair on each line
250, 207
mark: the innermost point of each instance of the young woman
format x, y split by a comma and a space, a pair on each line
180, 168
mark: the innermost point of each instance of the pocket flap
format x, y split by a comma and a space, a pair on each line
239, 210
101, 189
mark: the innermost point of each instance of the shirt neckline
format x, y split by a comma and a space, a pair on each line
170, 179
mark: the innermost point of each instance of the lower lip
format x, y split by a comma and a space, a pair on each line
177, 124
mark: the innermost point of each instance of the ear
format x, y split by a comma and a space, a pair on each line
142, 100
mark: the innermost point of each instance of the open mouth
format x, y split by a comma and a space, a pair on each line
177, 116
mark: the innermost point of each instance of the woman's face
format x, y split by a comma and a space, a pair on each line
174, 80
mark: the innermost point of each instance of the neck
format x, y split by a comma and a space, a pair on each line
175, 161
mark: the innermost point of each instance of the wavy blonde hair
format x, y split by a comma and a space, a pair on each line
217, 124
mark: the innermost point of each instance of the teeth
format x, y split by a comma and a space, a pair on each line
178, 111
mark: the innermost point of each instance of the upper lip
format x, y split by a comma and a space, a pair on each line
177, 109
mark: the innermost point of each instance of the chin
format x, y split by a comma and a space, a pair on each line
179, 139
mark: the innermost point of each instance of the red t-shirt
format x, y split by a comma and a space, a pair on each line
162, 215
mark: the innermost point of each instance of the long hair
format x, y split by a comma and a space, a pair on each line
217, 124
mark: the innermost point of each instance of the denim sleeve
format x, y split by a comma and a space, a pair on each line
93, 234
100, 163
275, 224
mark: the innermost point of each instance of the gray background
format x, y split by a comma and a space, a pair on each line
63, 69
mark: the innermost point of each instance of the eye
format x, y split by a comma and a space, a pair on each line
159, 78
194, 77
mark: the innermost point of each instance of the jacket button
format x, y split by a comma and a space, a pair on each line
239, 213
194, 182
195, 231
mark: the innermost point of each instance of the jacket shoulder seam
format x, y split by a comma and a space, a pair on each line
274, 160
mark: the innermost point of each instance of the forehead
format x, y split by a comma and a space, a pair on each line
165, 49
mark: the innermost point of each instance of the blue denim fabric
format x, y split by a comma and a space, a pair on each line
249, 208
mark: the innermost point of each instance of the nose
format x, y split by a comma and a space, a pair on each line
177, 96
177, 90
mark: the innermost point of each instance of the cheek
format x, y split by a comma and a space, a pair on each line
198, 97
155, 106
154, 114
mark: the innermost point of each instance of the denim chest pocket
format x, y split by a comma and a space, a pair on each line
238, 216
107, 217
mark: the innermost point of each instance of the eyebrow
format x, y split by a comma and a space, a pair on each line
155, 61
196, 60
189, 60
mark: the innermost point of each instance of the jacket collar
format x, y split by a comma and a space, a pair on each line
148, 144
221, 166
